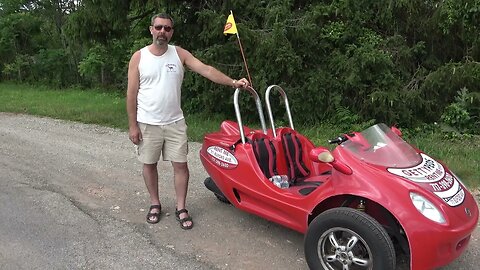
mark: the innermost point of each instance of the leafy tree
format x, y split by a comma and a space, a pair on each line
463, 113
339, 60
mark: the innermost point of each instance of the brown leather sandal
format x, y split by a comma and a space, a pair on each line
156, 216
183, 220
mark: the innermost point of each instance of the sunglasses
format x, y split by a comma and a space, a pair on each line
160, 26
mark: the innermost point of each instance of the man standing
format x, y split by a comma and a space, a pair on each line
155, 118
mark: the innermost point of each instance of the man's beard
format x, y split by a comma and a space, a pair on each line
161, 41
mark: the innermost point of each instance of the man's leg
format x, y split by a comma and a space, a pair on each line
150, 176
181, 176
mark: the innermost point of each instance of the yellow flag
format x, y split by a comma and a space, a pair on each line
230, 26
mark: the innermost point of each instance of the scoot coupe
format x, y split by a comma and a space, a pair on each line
371, 195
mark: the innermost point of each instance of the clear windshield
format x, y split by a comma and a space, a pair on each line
379, 145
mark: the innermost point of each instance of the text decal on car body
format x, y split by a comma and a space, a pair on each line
222, 157
426, 172
434, 177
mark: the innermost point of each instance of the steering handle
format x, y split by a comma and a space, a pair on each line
338, 140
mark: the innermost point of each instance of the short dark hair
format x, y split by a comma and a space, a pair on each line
162, 16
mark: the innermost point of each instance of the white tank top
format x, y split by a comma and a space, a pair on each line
159, 94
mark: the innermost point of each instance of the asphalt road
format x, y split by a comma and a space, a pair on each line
72, 197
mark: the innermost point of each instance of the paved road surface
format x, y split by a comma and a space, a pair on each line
72, 197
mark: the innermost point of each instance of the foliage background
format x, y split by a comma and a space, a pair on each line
341, 61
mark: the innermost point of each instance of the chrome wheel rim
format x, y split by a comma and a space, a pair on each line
341, 248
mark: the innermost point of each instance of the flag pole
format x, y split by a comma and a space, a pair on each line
231, 28
244, 60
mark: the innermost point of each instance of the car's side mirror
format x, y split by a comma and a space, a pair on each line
321, 154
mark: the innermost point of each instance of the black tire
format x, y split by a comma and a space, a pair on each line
345, 238
210, 185
222, 198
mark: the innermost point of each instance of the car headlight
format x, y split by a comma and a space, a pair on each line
427, 208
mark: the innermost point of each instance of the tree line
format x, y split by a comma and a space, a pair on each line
340, 61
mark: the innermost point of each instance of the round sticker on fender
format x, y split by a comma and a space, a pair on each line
222, 157
433, 176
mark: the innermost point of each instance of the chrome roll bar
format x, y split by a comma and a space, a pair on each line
269, 108
258, 103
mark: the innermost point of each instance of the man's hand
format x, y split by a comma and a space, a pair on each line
242, 83
135, 134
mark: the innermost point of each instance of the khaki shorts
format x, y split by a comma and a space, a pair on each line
170, 141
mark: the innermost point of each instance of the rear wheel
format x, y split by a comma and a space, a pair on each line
348, 239
222, 198
210, 184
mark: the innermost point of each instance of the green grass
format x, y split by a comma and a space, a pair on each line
108, 109
200, 124
92, 107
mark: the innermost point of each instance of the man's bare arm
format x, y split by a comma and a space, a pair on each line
132, 92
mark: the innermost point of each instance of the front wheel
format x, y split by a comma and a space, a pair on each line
348, 239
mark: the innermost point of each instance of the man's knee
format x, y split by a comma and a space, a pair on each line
150, 167
180, 167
